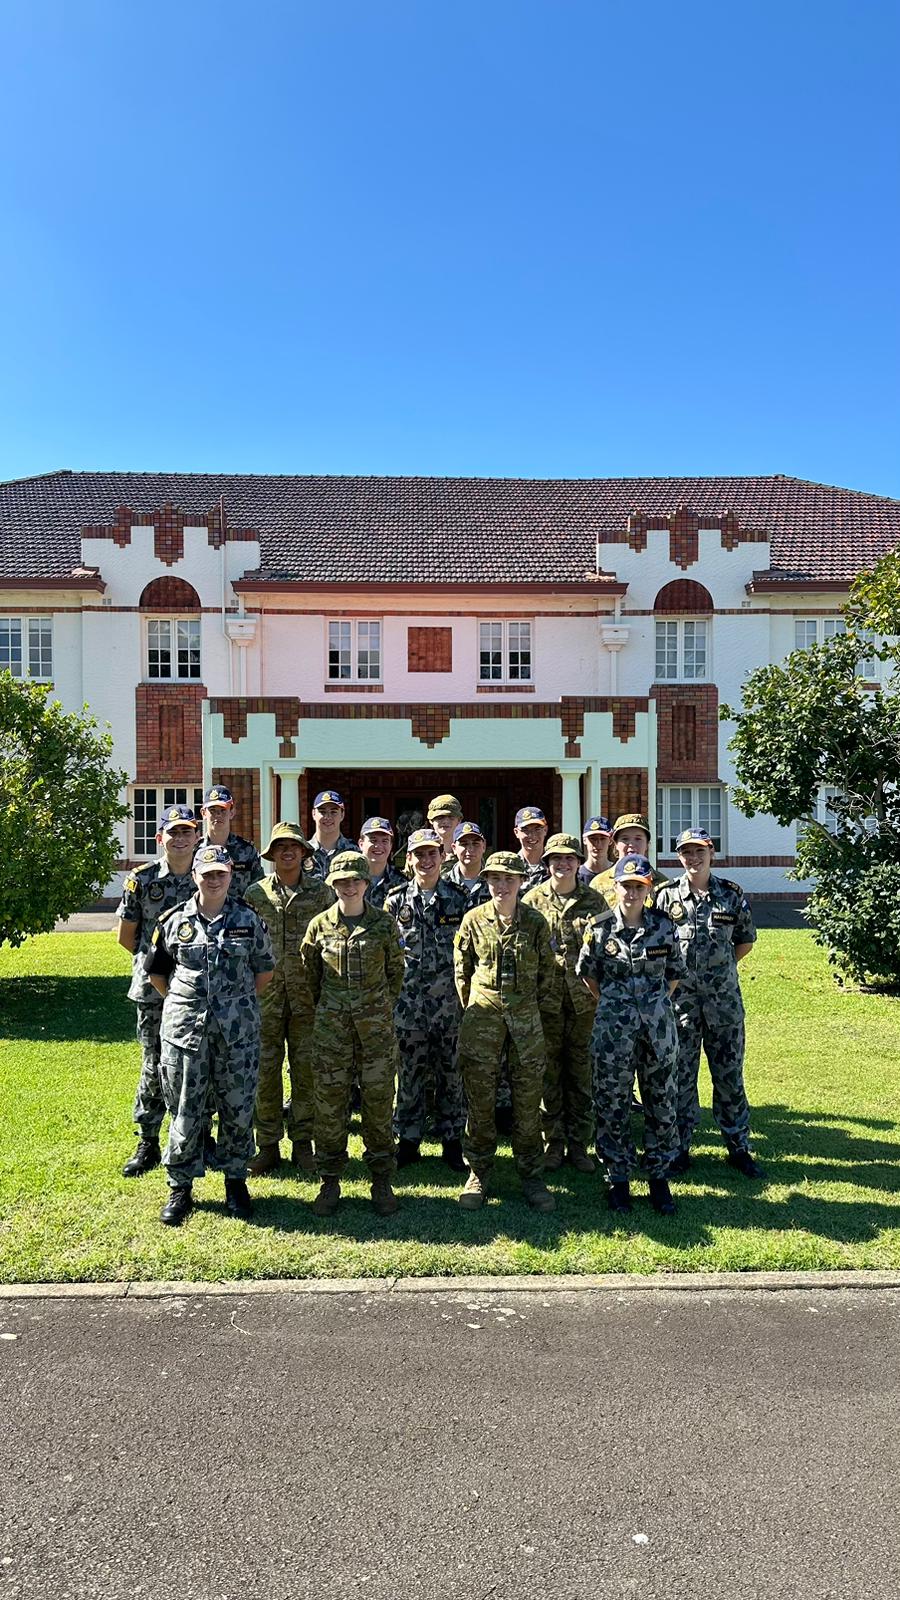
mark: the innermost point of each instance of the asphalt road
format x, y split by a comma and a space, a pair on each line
586, 1444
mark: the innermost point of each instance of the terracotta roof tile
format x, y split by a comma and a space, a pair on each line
483, 530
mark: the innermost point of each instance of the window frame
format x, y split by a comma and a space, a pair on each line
354, 624
505, 678
679, 623
172, 620
26, 623
826, 627
167, 794
692, 819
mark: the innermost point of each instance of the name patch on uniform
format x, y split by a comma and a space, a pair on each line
186, 931
722, 916
156, 891
240, 933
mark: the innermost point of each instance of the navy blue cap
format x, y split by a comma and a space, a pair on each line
376, 825
467, 830
176, 817
694, 836
218, 795
328, 797
633, 869
530, 814
596, 825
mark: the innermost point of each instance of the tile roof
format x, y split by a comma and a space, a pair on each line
494, 530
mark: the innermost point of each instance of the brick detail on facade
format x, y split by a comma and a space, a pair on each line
683, 527
430, 722
429, 649
168, 524
168, 723
688, 732
624, 789
684, 595
244, 785
169, 594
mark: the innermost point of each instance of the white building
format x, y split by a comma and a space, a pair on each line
560, 643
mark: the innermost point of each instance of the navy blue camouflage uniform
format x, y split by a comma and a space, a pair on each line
428, 1012
147, 894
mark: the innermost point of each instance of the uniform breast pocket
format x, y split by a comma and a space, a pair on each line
333, 955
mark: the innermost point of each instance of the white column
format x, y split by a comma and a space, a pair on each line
571, 801
652, 756
290, 797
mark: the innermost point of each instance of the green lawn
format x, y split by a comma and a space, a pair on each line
822, 1076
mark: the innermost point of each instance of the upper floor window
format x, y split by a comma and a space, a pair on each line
354, 651
504, 652
815, 630
682, 650
682, 608
26, 647
687, 806
173, 647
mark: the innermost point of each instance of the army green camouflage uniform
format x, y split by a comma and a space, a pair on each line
634, 1029
210, 1031
355, 976
426, 1016
508, 982
323, 858
246, 866
147, 894
708, 1005
287, 1011
568, 1113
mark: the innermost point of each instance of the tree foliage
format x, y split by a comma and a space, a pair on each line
811, 723
59, 803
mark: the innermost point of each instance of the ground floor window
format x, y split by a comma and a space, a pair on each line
682, 806
148, 804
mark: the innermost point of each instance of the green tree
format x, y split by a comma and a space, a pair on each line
811, 723
59, 803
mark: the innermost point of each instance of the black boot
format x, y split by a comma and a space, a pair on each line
681, 1164
407, 1152
661, 1197
451, 1153
145, 1158
237, 1199
743, 1160
178, 1206
618, 1197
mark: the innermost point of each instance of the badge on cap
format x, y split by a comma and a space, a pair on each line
213, 794
174, 814
630, 866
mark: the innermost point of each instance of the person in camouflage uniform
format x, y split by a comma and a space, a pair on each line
428, 912
715, 931
287, 900
630, 958
217, 812
147, 893
469, 845
210, 959
597, 836
443, 815
328, 838
508, 983
531, 829
567, 906
630, 836
354, 966
376, 840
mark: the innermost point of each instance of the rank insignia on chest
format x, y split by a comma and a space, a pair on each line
676, 912
185, 931
156, 891
611, 947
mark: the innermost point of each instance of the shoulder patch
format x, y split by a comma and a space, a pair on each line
130, 886
729, 883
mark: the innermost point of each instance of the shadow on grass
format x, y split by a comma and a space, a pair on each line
54, 1008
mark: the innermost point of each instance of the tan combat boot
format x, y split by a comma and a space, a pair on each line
554, 1155
537, 1195
302, 1156
384, 1200
579, 1159
474, 1194
328, 1198
268, 1159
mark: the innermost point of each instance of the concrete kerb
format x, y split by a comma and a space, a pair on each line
613, 1282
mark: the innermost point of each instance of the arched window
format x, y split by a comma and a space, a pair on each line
172, 641
682, 609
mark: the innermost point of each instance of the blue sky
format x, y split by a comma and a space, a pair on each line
555, 239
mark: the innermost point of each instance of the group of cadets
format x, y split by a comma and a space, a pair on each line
452, 994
